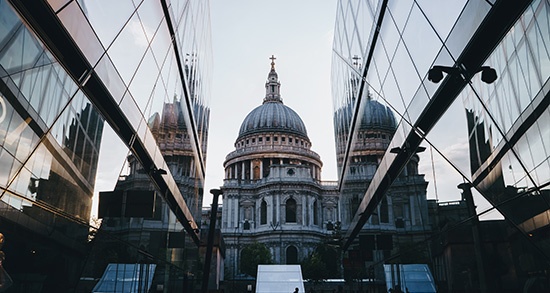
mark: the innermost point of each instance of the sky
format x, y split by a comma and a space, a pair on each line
244, 36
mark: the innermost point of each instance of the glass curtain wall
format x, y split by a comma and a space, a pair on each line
86, 87
481, 148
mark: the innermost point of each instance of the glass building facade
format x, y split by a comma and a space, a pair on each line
70, 72
480, 143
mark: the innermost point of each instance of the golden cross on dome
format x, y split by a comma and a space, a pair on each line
272, 61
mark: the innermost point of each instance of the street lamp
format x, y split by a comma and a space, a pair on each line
435, 74
153, 171
406, 149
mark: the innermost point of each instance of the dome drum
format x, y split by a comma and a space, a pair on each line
237, 156
273, 139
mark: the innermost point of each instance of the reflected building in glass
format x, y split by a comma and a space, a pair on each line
83, 80
401, 218
433, 67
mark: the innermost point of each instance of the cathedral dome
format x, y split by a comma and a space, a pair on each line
272, 115
375, 116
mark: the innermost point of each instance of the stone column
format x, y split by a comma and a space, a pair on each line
243, 171
261, 169
251, 166
278, 209
235, 211
305, 214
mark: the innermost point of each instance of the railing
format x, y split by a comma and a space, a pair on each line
244, 182
450, 203
254, 149
329, 183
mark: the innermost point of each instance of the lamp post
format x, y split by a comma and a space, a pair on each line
211, 230
476, 235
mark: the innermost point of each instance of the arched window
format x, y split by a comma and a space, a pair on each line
291, 255
290, 211
263, 213
315, 214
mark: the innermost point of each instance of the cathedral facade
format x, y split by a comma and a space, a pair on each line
273, 192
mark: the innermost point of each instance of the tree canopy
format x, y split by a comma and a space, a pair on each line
322, 264
314, 268
253, 255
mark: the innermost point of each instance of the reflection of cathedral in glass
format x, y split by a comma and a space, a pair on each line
376, 126
154, 228
172, 135
376, 129
490, 138
401, 218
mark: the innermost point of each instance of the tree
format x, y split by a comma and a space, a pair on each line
322, 264
314, 268
253, 255
330, 256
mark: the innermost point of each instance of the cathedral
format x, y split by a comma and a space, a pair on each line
274, 194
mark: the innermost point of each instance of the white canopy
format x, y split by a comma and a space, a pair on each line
279, 279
